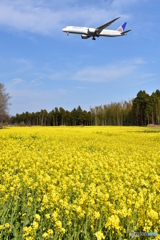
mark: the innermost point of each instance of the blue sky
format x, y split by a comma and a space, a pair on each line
42, 68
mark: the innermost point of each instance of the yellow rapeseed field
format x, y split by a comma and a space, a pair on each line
79, 182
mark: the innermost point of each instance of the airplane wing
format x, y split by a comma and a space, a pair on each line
100, 28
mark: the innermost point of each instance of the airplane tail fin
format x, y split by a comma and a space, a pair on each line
122, 27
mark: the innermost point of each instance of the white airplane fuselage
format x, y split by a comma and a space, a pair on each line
91, 32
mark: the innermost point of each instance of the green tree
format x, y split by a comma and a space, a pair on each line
79, 116
73, 116
67, 118
56, 116
62, 116
139, 105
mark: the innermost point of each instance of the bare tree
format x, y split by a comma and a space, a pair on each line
4, 97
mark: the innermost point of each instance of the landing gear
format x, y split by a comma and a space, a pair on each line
93, 38
67, 33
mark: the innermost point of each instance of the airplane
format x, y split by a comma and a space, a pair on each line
97, 32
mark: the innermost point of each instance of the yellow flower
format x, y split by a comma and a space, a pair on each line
87, 173
58, 224
78, 209
97, 215
153, 214
69, 223
47, 216
35, 225
54, 215
6, 225
113, 221
50, 232
45, 235
45, 199
63, 231
37, 217
99, 235
2, 227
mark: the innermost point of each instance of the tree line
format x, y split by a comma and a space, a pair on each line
144, 109
140, 111
56, 117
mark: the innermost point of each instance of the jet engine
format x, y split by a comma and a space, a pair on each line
83, 36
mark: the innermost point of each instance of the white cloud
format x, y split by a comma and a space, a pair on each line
37, 82
116, 4
80, 87
52, 75
17, 81
149, 76
103, 74
28, 17
96, 74
120, 71
45, 17
139, 61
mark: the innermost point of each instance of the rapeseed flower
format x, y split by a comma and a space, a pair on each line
70, 179
47, 216
99, 235
37, 217
45, 235
50, 232
113, 222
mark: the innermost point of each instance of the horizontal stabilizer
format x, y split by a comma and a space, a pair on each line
125, 32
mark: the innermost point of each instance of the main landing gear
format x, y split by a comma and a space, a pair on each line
93, 38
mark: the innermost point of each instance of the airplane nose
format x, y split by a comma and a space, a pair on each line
63, 29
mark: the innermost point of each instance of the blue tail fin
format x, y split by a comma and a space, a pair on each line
122, 28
